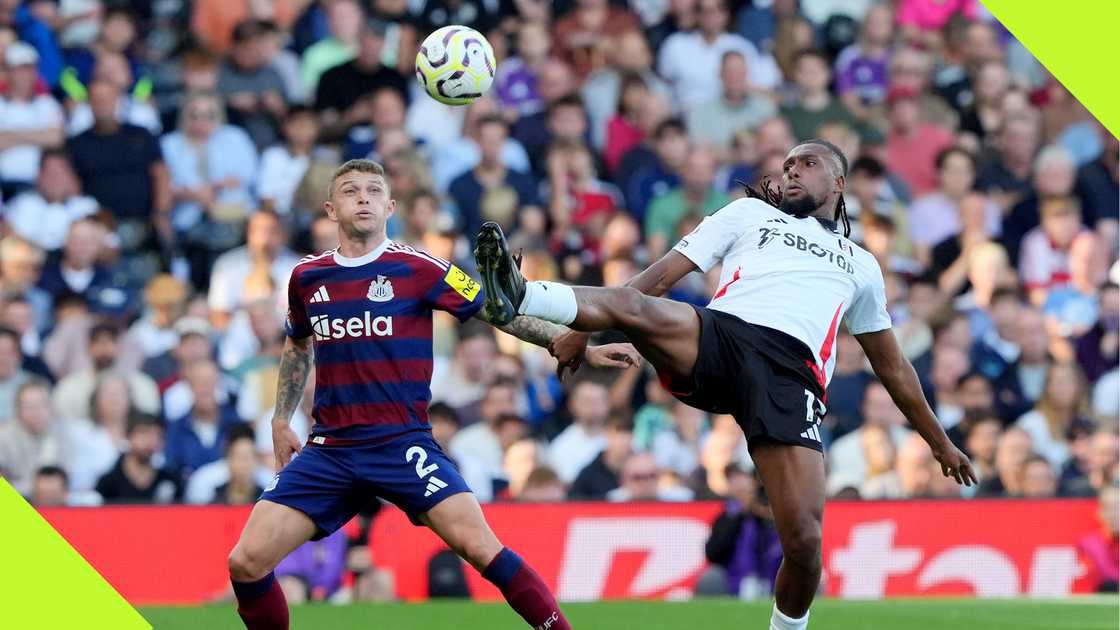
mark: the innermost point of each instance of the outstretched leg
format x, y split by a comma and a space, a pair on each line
795, 482
458, 520
666, 332
273, 531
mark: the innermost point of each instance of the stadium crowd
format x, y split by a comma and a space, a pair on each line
163, 167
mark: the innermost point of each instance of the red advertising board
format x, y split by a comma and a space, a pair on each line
592, 551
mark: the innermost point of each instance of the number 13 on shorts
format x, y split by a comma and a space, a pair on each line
814, 412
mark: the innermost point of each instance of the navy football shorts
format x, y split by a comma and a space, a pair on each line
331, 484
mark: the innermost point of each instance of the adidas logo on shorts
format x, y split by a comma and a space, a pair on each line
435, 484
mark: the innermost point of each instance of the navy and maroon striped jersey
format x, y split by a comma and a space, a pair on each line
371, 318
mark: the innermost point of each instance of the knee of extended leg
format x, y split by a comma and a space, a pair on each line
803, 545
246, 566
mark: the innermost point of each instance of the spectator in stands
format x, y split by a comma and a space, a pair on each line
198, 437
73, 395
913, 145
519, 461
21, 265
1012, 451
815, 105
915, 468
1044, 254
580, 204
980, 442
1071, 309
1099, 468
715, 122
1098, 350
601, 476
647, 172
943, 215
1006, 175
690, 60
846, 389
677, 446
252, 89
477, 448
624, 130
213, 22
29, 121
241, 461
265, 252
1064, 399
626, 54
445, 424
153, 334
135, 479
12, 375
1039, 480
43, 215
640, 482
564, 113
345, 19
93, 443
743, 542
213, 167
1102, 548
132, 108
880, 453
467, 376
341, 97
517, 83
79, 270
32, 438
135, 185
51, 488
1029, 371
575, 447
861, 68
695, 197
580, 36
491, 178
846, 454
986, 115
543, 486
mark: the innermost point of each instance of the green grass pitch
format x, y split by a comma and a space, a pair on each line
1093, 613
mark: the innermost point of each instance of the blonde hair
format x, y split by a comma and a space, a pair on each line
357, 166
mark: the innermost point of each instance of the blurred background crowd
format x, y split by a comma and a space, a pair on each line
163, 167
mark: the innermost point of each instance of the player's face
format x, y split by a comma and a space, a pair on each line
360, 204
809, 179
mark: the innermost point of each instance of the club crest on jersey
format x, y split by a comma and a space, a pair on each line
380, 290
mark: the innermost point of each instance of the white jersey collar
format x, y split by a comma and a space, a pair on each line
364, 259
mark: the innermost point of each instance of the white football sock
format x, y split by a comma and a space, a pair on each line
779, 621
550, 301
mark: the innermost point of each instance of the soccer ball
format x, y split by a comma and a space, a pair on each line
455, 65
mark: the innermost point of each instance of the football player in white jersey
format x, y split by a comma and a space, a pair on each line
762, 350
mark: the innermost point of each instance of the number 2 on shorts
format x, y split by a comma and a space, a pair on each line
421, 457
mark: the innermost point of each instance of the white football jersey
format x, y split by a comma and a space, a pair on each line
793, 275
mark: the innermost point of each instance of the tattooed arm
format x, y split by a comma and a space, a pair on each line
541, 333
295, 365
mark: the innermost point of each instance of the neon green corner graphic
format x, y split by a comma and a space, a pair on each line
45, 584
1076, 42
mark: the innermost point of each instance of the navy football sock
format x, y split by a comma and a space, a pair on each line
525, 591
261, 604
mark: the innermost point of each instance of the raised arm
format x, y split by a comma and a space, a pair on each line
295, 366
898, 376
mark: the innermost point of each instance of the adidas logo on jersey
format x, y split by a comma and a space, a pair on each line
812, 433
326, 327
435, 484
320, 295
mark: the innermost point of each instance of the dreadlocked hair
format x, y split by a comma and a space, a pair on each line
772, 195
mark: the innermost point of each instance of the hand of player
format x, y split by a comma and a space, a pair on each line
285, 443
955, 464
617, 355
569, 349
